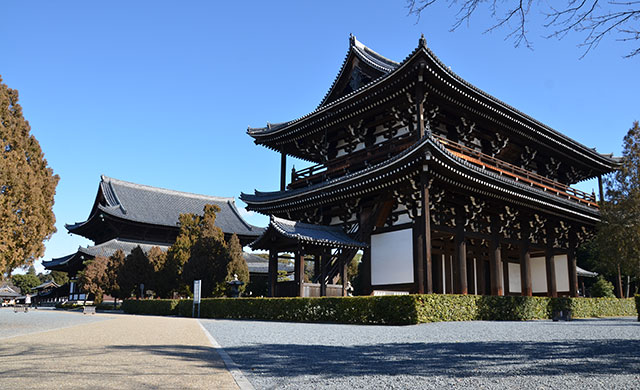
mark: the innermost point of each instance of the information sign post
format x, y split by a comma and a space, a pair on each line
196, 298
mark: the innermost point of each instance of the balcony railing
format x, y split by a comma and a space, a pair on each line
516, 173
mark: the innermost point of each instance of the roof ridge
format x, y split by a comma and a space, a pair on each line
110, 180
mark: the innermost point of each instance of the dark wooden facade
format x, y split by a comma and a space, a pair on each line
452, 190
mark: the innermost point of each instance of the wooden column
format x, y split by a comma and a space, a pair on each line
273, 272
552, 289
323, 260
448, 272
365, 216
525, 269
283, 171
437, 274
461, 260
495, 258
471, 275
571, 262
600, 190
418, 256
344, 263
480, 273
426, 231
505, 275
298, 272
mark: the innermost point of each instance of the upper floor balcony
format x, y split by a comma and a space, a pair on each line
378, 153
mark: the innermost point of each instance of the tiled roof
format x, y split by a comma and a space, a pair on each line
330, 236
159, 206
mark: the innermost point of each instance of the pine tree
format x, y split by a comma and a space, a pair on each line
237, 264
618, 238
27, 188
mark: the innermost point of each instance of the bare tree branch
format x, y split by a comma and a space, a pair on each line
595, 20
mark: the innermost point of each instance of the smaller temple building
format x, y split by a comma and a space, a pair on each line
126, 215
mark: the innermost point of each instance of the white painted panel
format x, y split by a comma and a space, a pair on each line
515, 285
538, 275
392, 257
562, 273
402, 218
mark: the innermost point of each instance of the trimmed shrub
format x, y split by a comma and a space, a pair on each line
160, 307
602, 288
387, 310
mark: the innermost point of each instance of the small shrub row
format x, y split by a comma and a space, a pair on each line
387, 310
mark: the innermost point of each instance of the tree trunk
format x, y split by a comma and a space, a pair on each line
628, 282
619, 280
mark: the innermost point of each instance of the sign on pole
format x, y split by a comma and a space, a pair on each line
196, 298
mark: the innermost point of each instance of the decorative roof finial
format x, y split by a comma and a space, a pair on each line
352, 39
422, 42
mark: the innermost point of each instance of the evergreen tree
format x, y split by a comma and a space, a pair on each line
61, 278
115, 263
618, 238
27, 188
92, 278
237, 264
25, 282
136, 270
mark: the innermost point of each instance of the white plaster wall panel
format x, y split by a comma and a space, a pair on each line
402, 218
538, 275
392, 257
562, 273
515, 285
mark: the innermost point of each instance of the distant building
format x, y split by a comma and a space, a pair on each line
126, 215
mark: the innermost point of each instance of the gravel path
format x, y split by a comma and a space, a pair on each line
15, 324
582, 354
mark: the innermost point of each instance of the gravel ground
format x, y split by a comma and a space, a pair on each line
16, 324
582, 354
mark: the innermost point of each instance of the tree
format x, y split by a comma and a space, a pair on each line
137, 269
209, 257
594, 20
25, 282
61, 278
237, 264
170, 276
618, 237
112, 287
602, 288
92, 278
27, 188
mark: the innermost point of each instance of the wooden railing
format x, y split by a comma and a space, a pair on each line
348, 163
517, 173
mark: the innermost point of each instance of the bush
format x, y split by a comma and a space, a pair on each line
387, 310
160, 307
602, 288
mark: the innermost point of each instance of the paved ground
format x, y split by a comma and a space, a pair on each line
106, 352
582, 354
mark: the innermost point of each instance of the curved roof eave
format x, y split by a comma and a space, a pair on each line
509, 188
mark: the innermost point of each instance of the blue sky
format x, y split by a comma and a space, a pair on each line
161, 93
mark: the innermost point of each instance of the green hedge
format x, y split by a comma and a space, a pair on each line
388, 310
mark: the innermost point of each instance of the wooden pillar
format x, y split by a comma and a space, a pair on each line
344, 263
418, 256
600, 190
437, 274
298, 272
571, 262
495, 258
505, 275
426, 230
365, 216
552, 289
273, 271
323, 261
471, 277
480, 274
525, 268
283, 171
461, 260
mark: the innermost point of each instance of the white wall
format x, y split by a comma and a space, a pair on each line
562, 273
515, 285
538, 275
392, 257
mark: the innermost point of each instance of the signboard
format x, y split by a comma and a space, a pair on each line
196, 291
